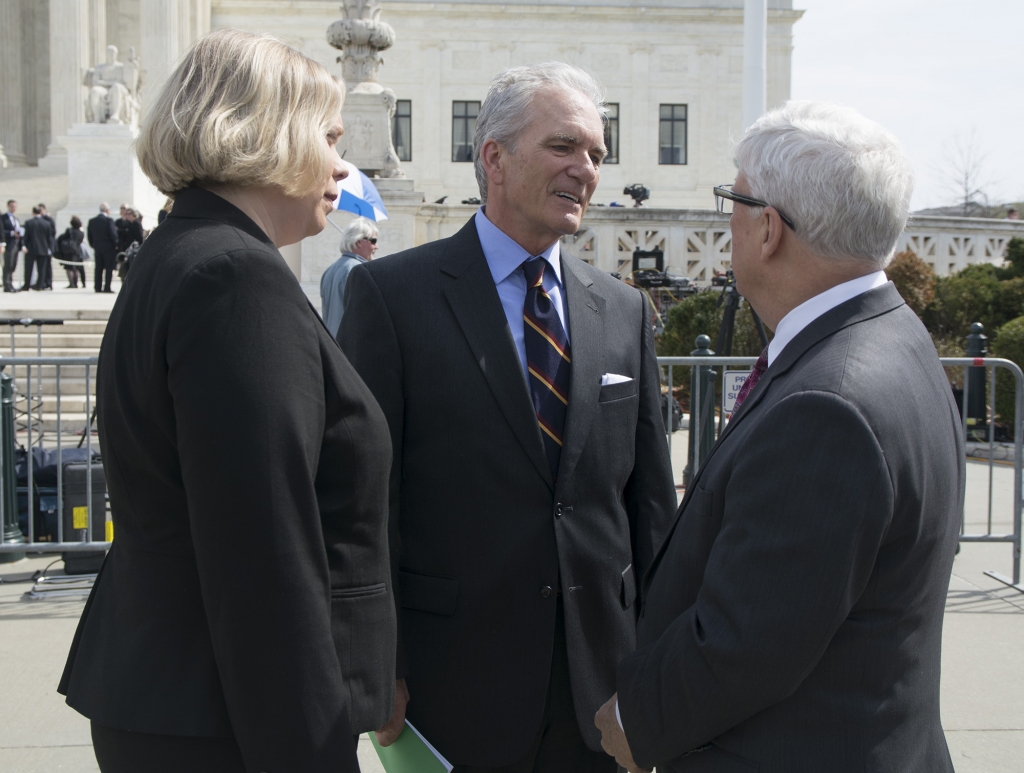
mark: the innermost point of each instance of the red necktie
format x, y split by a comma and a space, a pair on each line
755, 375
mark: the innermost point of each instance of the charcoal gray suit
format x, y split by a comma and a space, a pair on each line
484, 542
792, 620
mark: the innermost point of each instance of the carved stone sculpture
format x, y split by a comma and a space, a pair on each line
369, 107
361, 36
113, 95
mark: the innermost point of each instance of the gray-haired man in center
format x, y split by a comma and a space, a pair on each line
358, 244
530, 481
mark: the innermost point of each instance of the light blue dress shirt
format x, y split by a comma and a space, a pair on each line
505, 260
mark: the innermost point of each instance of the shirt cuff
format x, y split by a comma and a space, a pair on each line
618, 716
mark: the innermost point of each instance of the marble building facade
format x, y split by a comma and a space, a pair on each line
686, 54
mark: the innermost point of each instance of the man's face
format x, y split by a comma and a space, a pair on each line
547, 183
364, 248
12, 207
746, 239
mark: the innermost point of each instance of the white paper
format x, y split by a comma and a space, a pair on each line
447, 765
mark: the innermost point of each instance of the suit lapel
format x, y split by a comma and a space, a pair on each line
586, 335
469, 289
858, 309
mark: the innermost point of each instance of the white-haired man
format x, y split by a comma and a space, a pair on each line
530, 480
358, 244
792, 621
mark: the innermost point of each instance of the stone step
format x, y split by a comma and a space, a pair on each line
69, 326
49, 371
69, 403
58, 351
68, 385
26, 345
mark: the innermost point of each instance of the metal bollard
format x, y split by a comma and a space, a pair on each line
976, 413
702, 411
8, 481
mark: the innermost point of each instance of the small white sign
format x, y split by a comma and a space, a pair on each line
732, 382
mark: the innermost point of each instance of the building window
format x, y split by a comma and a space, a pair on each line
672, 135
401, 130
611, 133
463, 127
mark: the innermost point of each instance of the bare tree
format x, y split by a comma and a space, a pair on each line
963, 174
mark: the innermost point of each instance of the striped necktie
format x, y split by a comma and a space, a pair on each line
755, 375
548, 360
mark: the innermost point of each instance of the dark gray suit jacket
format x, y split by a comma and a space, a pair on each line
482, 538
793, 618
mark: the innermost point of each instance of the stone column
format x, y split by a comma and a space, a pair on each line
69, 59
97, 31
160, 48
11, 129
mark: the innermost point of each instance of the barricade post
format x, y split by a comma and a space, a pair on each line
702, 409
8, 480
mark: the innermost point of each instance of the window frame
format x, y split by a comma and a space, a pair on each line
674, 121
611, 140
394, 129
469, 130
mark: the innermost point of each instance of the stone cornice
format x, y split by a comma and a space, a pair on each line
392, 12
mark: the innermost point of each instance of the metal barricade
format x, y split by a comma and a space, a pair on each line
63, 434
988, 443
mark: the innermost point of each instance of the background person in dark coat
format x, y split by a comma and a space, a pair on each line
39, 243
12, 233
516, 566
73, 238
792, 621
103, 239
243, 619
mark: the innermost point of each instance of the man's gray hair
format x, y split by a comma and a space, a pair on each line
104, 207
358, 229
841, 178
505, 113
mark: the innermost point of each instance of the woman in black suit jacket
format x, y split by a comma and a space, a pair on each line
243, 619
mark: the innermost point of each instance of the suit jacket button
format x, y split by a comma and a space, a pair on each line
558, 510
545, 592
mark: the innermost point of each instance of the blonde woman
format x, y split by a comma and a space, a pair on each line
243, 620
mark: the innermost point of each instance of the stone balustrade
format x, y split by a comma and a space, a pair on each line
696, 242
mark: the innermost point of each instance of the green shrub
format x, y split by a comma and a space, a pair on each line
1014, 265
914, 279
1009, 344
962, 299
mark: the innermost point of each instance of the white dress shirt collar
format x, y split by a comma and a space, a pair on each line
503, 253
808, 311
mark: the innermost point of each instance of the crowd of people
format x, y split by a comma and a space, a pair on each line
452, 504
113, 242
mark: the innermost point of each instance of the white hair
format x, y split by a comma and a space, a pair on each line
841, 178
357, 230
505, 113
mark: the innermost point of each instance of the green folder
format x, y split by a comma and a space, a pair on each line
410, 753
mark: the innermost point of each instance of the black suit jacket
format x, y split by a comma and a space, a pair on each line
482, 538
9, 232
102, 234
793, 618
39, 236
247, 589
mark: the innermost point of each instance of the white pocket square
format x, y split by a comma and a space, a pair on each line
613, 378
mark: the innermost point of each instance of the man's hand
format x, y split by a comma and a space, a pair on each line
613, 740
388, 734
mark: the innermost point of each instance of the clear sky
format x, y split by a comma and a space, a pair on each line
934, 72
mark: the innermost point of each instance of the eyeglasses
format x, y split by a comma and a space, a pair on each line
373, 240
725, 196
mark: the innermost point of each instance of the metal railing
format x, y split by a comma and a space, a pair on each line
30, 435
704, 402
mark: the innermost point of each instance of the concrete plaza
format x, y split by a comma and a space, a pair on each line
982, 667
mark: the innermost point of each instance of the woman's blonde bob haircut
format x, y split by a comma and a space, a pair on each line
245, 110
